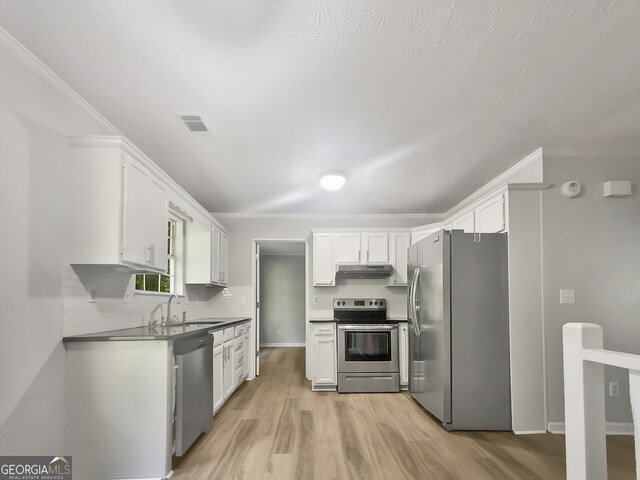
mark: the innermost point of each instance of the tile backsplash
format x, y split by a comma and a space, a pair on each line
101, 298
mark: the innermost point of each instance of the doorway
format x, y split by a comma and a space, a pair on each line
280, 285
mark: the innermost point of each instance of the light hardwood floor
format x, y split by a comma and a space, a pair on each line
275, 427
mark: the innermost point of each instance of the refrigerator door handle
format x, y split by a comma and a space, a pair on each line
414, 310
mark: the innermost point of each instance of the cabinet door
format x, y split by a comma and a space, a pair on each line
399, 247
464, 222
247, 354
224, 258
218, 377
490, 215
229, 382
197, 259
324, 348
375, 248
403, 353
157, 218
324, 265
215, 254
348, 248
135, 248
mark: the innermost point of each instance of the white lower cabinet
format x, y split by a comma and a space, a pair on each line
230, 361
218, 377
403, 353
228, 368
324, 356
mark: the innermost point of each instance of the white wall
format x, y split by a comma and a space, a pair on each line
591, 244
282, 299
34, 121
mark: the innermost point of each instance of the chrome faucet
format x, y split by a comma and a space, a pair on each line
171, 297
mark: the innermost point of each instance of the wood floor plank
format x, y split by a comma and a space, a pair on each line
275, 427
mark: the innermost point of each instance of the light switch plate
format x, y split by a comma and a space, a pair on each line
567, 296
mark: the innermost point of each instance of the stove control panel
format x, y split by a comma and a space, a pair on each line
359, 304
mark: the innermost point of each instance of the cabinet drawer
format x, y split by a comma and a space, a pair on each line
217, 337
238, 344
328, 328
228, 334
239, 330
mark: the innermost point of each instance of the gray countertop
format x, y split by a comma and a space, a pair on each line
315, 320
167, 333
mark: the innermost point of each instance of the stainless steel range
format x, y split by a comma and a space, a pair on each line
367, 346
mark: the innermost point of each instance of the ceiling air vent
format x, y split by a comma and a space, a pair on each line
194, 123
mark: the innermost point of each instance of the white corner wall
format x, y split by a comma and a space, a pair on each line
34, 121
591, 244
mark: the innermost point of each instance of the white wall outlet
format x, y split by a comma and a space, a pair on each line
279, 331
617, 188
614, 389
568, 296
92, 295
316, 300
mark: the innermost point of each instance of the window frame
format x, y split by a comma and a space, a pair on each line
175, 259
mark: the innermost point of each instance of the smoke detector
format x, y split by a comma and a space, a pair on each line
194, 123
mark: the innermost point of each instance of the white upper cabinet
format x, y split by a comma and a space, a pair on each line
119, 211
418, 235
348, 248
324, 261
206, 254
399, 247
375, 248
224, 258
144, 226
198, 250
465, 222
490, 215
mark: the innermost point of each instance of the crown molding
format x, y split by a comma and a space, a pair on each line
497, 183
13, 46
322, 216
590, 152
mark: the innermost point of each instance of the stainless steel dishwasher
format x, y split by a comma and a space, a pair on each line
194, 390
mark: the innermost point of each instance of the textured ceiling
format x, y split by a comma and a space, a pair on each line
420, 102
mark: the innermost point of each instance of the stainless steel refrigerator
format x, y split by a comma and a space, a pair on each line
458, 314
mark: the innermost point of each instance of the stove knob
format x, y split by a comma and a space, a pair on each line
343, 303
381, 303
375, 303
370, 303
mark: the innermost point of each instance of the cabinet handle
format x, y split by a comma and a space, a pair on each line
367, 256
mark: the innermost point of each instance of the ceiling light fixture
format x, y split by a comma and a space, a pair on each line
333, 181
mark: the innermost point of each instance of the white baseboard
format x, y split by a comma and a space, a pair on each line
612, 428
529, 432
283, 344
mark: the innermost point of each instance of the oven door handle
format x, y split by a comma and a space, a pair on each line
368, 328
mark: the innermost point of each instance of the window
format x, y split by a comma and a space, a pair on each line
171, 282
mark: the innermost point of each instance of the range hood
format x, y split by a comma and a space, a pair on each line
365, 271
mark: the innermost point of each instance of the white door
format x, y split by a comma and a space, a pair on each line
218, 377
135, 248
257, 355
375, 248
490, 216
229, 382
215, 254
157, 218
348, 248
324, 347
324, 266
399, 248
224, 258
